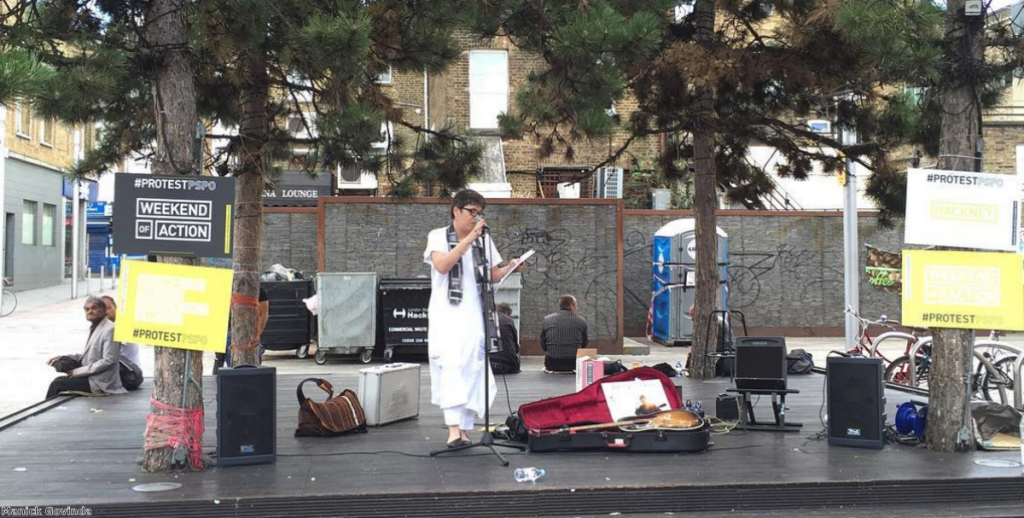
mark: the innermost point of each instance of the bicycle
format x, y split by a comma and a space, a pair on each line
867, 346
9, 300
993, 375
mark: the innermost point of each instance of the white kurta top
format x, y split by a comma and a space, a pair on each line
455, 336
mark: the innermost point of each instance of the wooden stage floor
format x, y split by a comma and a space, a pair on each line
84, 452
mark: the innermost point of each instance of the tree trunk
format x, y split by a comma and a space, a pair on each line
705, 201
961, 117
174, 114
253, 134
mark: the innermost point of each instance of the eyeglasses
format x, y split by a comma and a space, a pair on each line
473, 212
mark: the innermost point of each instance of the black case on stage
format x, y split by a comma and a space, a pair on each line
653, 441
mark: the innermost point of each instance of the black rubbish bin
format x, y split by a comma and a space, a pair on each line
290, 324
403, 314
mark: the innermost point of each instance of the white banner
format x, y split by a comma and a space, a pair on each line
956, 208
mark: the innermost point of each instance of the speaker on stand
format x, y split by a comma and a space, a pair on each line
760, 363
856, 402
246, 415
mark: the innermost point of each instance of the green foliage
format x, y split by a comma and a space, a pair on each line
770, 65
22, 75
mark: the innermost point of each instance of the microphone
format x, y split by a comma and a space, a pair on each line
478, 219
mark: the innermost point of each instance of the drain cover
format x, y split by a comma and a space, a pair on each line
156, 487
997, 463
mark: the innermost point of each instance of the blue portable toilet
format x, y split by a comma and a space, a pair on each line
674, 269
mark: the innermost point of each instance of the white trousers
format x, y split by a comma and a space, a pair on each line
459, 416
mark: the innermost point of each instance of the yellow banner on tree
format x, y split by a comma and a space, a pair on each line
173, 305
967, 290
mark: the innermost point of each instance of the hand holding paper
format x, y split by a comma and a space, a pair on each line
518, 265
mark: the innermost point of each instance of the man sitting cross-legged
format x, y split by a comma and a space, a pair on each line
95, 371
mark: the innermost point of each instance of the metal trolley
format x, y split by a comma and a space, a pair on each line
347, 322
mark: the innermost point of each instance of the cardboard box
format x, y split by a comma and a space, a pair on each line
588, 368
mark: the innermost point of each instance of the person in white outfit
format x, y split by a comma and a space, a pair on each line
455, 336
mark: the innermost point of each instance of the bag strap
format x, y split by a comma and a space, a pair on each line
320, 382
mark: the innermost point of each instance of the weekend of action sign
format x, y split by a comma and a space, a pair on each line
173, 305
965, 210
173, 215
966, 290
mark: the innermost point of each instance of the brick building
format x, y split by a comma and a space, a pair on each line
1003, 125
35, 154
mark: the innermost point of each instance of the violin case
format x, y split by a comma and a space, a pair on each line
548, 421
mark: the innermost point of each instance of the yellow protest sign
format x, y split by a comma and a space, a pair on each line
967, 290
172, 305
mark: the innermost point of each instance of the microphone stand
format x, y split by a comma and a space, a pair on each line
491, 337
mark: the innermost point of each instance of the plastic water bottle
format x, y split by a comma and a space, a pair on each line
699, 409
528, 474
679, 368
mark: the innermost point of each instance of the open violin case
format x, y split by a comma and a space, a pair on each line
583, 421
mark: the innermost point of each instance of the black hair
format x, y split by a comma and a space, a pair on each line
465, 198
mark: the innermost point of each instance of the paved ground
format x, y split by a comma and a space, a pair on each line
48, 323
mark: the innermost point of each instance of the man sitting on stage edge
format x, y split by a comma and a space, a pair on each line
506, 360
455, 336
562, 334
130, 366
95, 371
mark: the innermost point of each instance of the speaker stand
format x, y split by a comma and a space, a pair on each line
747, 420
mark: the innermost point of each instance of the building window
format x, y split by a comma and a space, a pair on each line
23, 120
46, 132
488, 88
551, 177
49, 221
28, 223
385, 77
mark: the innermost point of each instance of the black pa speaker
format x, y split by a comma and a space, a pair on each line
246, 415
856, 402
760, 363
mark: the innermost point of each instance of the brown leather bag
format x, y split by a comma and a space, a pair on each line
336, 416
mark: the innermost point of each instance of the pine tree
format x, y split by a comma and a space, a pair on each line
732, 74
22, 75
263, 61
128, 65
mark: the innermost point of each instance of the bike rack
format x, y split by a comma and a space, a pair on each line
1016, 381
890, 334
977, 354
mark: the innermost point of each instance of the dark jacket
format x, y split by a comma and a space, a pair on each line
506, 360
563, 333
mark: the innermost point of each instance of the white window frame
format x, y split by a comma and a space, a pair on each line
385, 78
42, 133
493, 93
19, 126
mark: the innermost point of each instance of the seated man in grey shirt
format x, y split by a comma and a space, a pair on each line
562, 334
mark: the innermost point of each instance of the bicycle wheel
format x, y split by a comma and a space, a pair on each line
8, 303
898, 371
1003, 375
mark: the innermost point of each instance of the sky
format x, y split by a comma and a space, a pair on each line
999, 4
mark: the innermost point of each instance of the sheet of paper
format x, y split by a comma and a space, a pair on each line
522, 259
635, 398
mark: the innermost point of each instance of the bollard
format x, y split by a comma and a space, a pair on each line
103, 276
88, 281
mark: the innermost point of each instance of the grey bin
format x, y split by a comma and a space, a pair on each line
347, 322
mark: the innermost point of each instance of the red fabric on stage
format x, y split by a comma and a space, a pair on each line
588, 406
